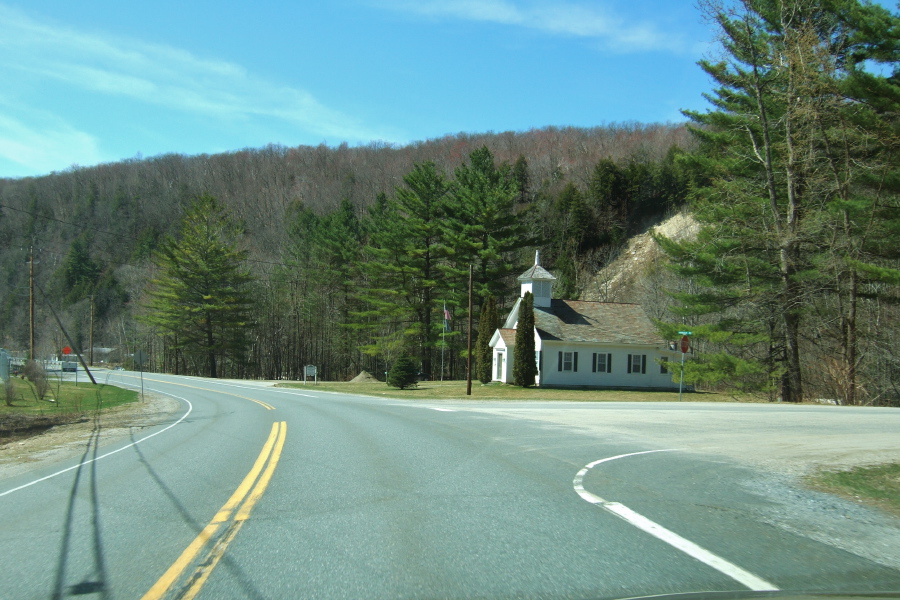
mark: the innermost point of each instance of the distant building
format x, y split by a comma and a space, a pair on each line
585, 344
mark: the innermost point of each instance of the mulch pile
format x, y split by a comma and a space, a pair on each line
364, 377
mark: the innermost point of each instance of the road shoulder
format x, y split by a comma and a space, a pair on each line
68, 441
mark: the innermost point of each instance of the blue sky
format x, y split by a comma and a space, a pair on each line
100, 81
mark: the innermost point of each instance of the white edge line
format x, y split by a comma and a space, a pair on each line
87, 462
670, 537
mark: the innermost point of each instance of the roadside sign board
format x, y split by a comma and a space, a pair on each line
685, 344
67, 350
140, 357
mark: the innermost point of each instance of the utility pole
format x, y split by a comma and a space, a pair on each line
68, 338
91, 336
31, 301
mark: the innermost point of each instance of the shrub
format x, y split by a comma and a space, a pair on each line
10, 391
403, 373
35, 373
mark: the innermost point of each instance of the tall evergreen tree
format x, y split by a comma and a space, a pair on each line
488, 322
337, 247
405, 250
765, 149
81, 272
482, 228
520, 175
202, 295
524, 363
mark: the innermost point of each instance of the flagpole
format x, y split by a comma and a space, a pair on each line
469, 361
444, 337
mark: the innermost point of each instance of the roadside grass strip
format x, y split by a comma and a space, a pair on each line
718, 563
223, 527
878, 485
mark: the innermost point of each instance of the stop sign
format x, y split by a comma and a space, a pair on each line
67, 350
685, 344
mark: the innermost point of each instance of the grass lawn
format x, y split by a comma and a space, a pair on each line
456, 390
67, 398
879, 485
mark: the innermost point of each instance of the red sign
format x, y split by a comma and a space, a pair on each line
67, 350
685, 344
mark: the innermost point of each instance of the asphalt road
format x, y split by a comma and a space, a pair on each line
255, 492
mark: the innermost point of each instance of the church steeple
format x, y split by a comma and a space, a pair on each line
538, 281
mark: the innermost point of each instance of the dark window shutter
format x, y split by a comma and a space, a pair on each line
643, 364
594, 363
609, 363
559, 366
629, 363
575, 362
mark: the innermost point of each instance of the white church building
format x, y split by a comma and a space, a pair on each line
585, 344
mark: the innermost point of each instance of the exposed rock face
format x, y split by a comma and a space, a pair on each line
625, 279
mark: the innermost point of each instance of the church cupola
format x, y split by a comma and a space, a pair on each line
538, 281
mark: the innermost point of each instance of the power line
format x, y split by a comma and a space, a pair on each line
79, 225
118, 235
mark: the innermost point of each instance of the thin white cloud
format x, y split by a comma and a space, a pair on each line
43, 143
585, 20
164, 76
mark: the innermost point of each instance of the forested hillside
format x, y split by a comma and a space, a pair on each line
325, 239
255, 263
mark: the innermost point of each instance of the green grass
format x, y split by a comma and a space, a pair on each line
67, 398
879, 485
456, 390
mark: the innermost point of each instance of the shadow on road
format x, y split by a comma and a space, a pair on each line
95, 581
245, 582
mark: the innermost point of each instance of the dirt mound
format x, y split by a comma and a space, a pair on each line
364, 377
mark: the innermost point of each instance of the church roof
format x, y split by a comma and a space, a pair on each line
509, 336
537, 272
597, 322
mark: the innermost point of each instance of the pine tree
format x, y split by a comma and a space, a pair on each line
521, 177
403, 373
202, 295
81, 273
778, 172
337, 247
524, 363
482, 228
488, 322
406, 246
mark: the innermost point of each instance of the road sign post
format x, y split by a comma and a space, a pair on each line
685, 347
139, 358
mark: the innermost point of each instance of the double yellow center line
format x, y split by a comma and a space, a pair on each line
223, 527
265, 405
